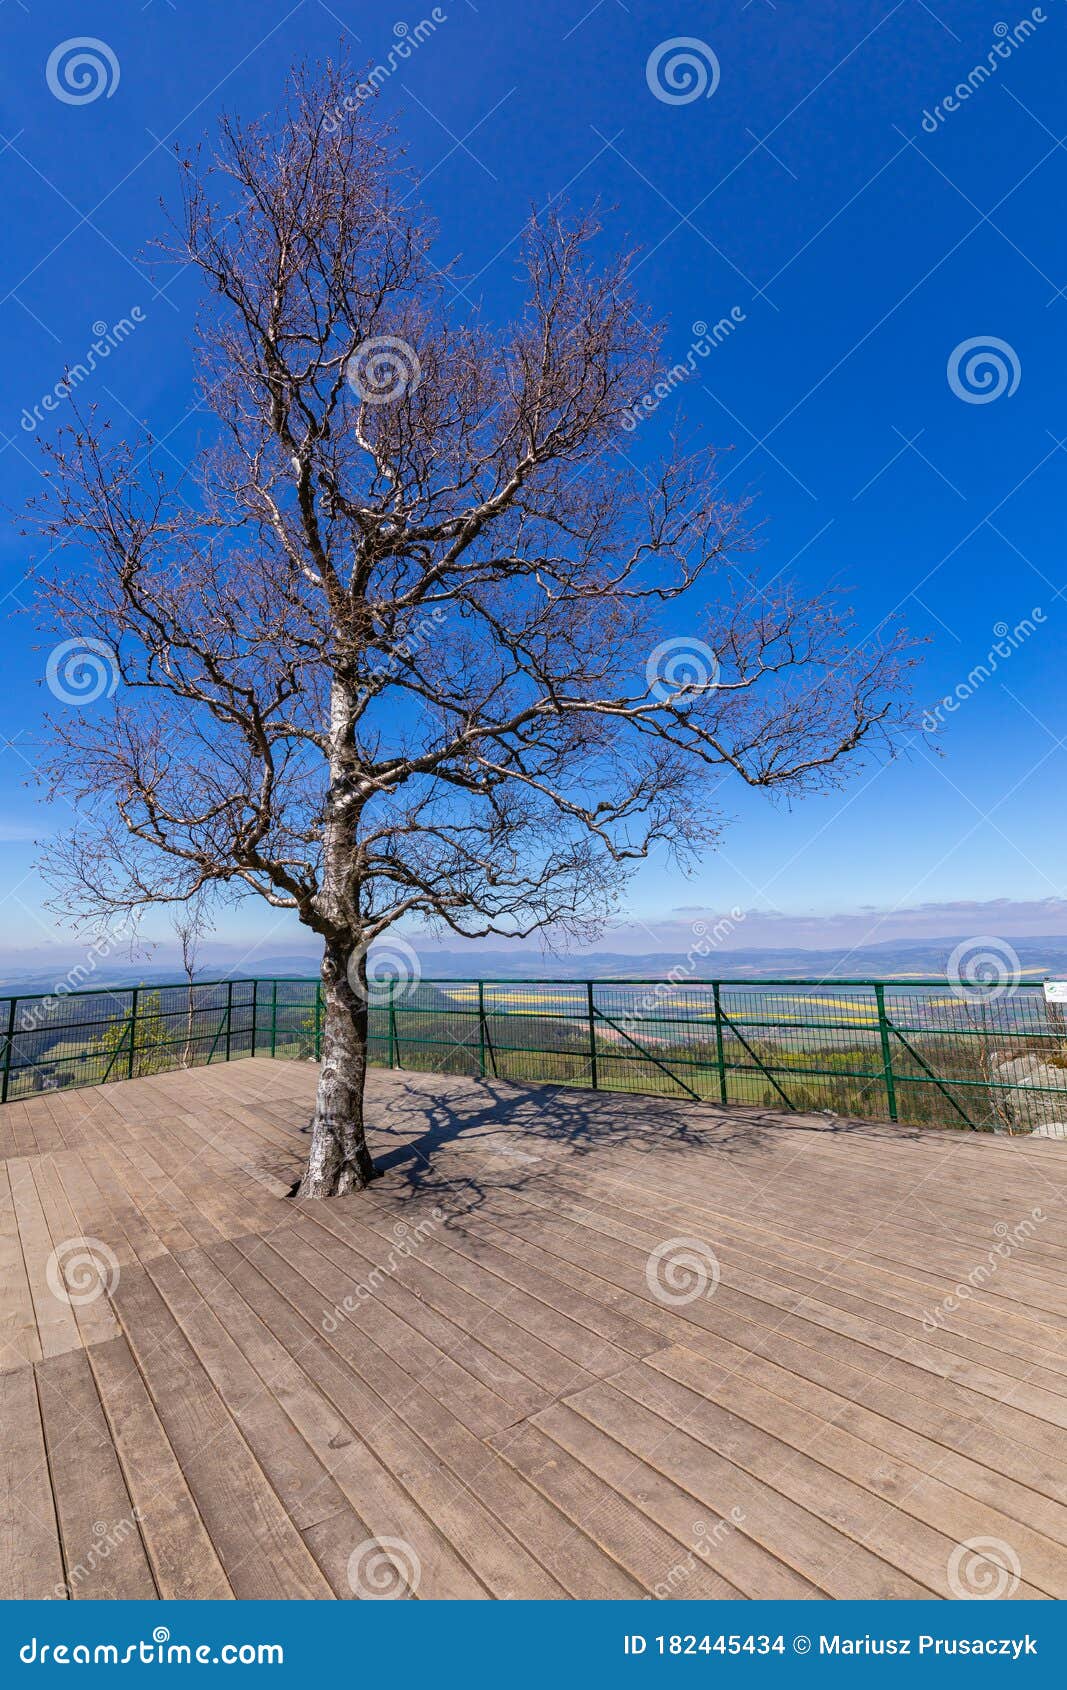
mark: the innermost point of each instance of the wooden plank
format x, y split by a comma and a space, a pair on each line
302, 1482
503, 1381
9, 1145
651, 1556
1029, 1328
166, 1171
24, 1114
183, 1560
920, 1552
871, 1223
811, 1293
345, 1280
229, 1137
104, 1557
125, 1172
19, 1342
860, 1447
617, 1335
448, 1471
832, 1560
31, 1560
1005, 1439
491, 1553
213, 1203
705, 1537
335, 1419
92, 1176
57, 1329
73, 1238
921, 1492
766, 1302
482, 1390
490, 1323
258, 1545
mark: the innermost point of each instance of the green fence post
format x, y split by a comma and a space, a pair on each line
720, 1052
481, 1028
255, 1008
594, 1078
8, 1047
133, 1035
887, 1052
229, 1013
318, 1020
392, 1025
274, 1018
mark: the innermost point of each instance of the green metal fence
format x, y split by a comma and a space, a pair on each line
923, 1052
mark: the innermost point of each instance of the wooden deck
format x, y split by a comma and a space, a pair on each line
569, 1345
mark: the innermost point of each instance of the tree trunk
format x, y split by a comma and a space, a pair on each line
339, 1160
187, 1053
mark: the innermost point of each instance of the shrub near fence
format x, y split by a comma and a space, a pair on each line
919, 1052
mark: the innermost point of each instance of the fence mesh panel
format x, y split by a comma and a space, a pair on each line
923, 1053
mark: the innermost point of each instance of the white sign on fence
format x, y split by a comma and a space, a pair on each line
1056, 991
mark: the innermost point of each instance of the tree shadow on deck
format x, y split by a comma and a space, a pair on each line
458, 1140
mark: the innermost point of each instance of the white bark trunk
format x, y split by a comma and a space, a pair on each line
339, 1160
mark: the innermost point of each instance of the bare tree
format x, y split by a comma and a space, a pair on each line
394, 649
190, 924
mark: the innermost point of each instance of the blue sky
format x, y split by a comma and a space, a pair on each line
861, 249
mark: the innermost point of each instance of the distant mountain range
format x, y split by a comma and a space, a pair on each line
891, 960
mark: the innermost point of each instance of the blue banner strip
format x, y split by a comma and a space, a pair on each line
507, 1646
